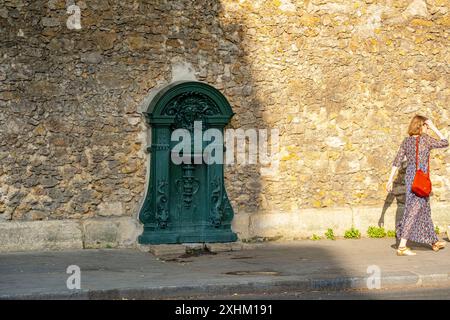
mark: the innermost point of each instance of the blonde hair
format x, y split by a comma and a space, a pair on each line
416, 124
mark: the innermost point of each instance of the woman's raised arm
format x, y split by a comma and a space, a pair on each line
434, 143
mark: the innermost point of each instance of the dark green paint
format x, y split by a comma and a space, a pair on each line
185, 203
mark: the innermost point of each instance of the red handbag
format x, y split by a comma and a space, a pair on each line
422, 184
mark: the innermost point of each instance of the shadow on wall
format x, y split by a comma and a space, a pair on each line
243, 181
212, 45
398, 194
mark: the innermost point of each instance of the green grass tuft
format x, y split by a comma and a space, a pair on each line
352, 234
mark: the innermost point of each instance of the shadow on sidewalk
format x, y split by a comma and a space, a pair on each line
280, 271
263, 273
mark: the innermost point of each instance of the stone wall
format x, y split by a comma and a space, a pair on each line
339, 79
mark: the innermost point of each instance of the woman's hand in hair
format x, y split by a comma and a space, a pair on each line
431, 125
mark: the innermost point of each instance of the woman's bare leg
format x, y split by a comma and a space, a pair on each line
403, 250
402, 243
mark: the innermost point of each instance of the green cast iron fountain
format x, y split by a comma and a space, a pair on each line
186, 202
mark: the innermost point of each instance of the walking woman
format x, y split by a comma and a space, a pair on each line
416, 224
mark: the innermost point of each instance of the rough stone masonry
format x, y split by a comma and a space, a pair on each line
339, 79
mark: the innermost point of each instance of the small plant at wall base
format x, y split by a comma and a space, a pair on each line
376, 232
352, 234
437, 230
330, 234
391, 233
315, 237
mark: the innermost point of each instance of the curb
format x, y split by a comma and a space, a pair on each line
180, 292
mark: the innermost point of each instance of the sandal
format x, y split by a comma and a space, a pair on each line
405, 251
438, 245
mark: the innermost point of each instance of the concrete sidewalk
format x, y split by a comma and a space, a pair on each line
274, 267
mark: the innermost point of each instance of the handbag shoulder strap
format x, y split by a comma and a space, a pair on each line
417, 156
417, 153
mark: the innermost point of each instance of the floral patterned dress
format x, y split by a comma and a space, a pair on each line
416, 224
